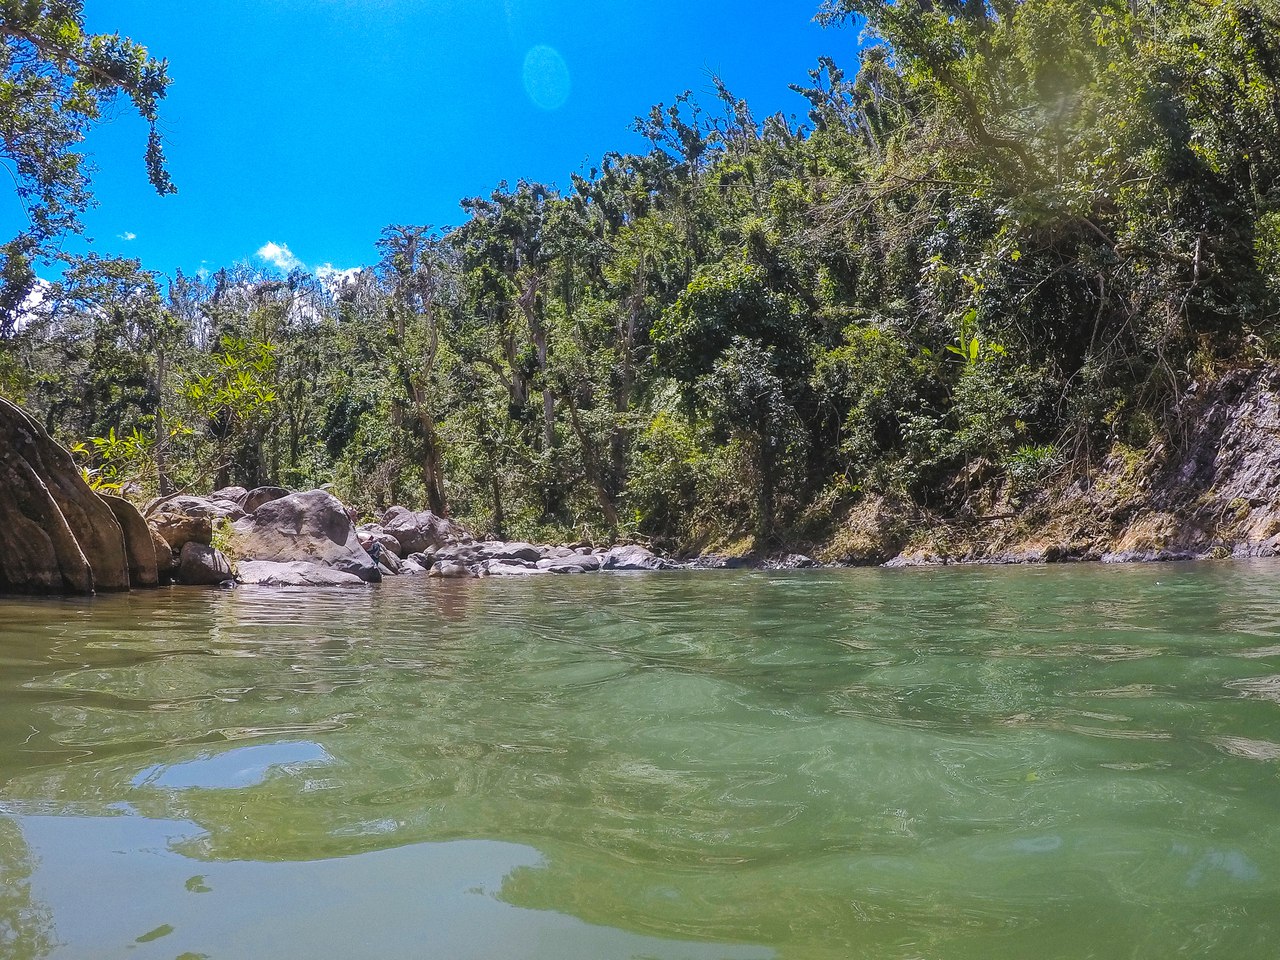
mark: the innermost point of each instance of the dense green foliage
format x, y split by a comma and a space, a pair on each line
1009, 241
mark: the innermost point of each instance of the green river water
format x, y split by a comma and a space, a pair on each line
1069, 762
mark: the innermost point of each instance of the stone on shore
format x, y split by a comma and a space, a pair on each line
179, 529
311, 527
634, 557
298, 573
420, 532
203, 566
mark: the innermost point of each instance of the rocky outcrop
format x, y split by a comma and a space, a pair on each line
56, 534
140, 548
420, 532
310, 527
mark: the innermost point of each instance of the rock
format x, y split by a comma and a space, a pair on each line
202, 507
418, 532
497, 550
178, 529
510, 568
450, 569
714, 561
202, 566
634, 557
410, 567
298, 573
232, 495
140, 548
166, 561
424, 560
312, 527
260, 495
372, 532
56, 534
792, 561
572, 564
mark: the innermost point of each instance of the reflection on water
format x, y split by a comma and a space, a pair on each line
885, 764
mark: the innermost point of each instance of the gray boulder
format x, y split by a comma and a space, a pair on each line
571, 564
202, 566
56, 534
634, 557
518, 550
311, 527
509, 568
419, 532
260, 495
232, 495
266, 573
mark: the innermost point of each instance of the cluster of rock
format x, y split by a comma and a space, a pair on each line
278, 538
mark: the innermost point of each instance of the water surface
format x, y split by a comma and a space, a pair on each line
962, 763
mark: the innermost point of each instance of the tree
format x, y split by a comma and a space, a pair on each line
57, 80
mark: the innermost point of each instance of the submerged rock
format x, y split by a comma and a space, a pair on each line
311, 527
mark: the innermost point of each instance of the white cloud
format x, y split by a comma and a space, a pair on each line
127, 235
279, 255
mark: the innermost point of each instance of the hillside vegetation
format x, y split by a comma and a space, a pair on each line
995, 252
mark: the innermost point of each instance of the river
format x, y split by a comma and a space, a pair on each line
944, 764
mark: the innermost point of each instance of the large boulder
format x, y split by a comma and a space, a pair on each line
201, 566
633, 557
312, 527
266, 573
178, 529
140, 549
56, 534
260, 495
420, 532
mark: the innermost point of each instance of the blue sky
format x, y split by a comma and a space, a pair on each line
311, 124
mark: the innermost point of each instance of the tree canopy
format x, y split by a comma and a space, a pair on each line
56, 81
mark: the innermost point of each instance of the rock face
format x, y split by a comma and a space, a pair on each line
420, 532
56, 535
140, 549
201, 566
265, 573
311, 527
